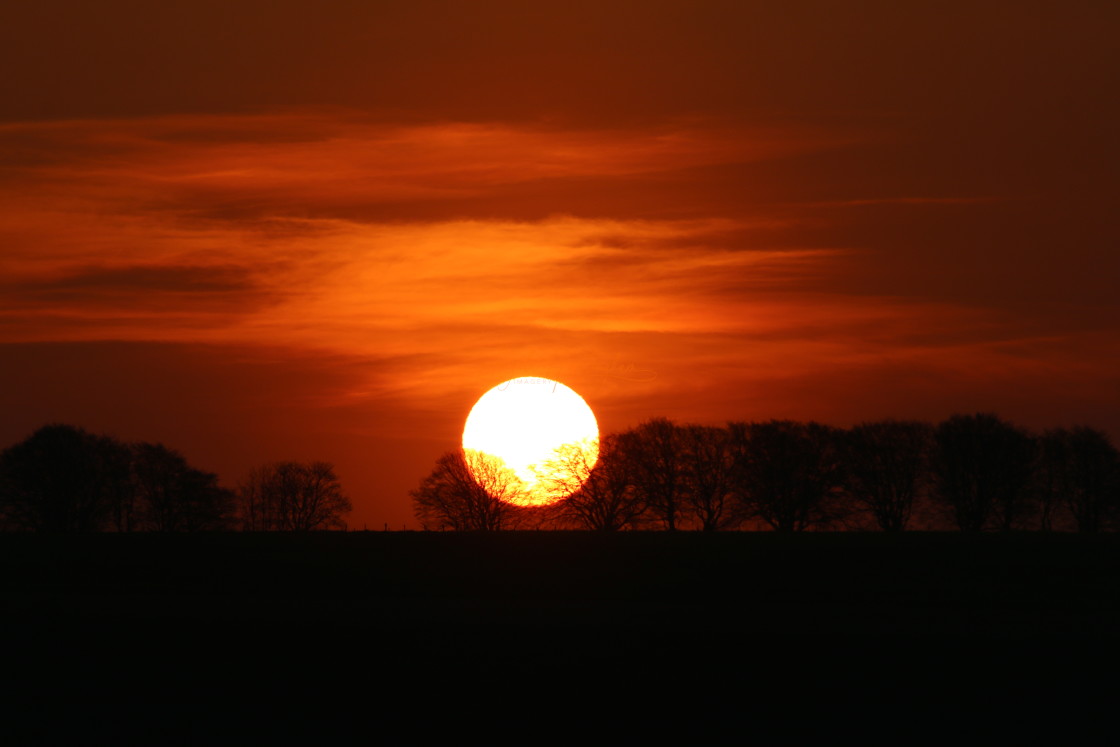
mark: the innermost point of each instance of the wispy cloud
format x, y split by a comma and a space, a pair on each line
394, 247
234, 228
322, 164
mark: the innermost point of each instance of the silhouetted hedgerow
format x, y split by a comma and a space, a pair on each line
65, 479
971, 472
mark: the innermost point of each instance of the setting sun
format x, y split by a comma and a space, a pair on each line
526, 423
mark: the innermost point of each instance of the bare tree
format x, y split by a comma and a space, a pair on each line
885, 465
292, 496
595, 494
63, 479
1048, 478
787, 473
468, 490
658, 465
708, 466
172, 496
982, 466
1081, 468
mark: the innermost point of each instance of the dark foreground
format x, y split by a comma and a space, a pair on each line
392, 636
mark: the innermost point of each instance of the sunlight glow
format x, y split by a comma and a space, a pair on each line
525, 422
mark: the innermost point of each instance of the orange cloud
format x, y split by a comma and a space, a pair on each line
392, 245
218, 228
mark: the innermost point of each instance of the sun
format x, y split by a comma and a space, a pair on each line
530, 429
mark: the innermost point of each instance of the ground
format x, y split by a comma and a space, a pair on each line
638, 633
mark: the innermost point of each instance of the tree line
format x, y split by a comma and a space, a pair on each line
63, 479
970, 472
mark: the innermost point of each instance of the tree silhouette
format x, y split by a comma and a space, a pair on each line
63, 479
173, 496
1048, 478
599, 496
1082, 468
981, 467
885, 464
658, 469
787, 473
468, 490
708, 476
292, 496
791, 476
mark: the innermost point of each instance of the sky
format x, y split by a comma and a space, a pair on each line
257, 231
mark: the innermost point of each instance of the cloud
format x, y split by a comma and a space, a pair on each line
222, 229
321, 164
364, 241
104, 285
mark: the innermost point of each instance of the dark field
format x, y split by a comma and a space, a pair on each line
636, 633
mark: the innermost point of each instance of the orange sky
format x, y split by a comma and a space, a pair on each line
321, 231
